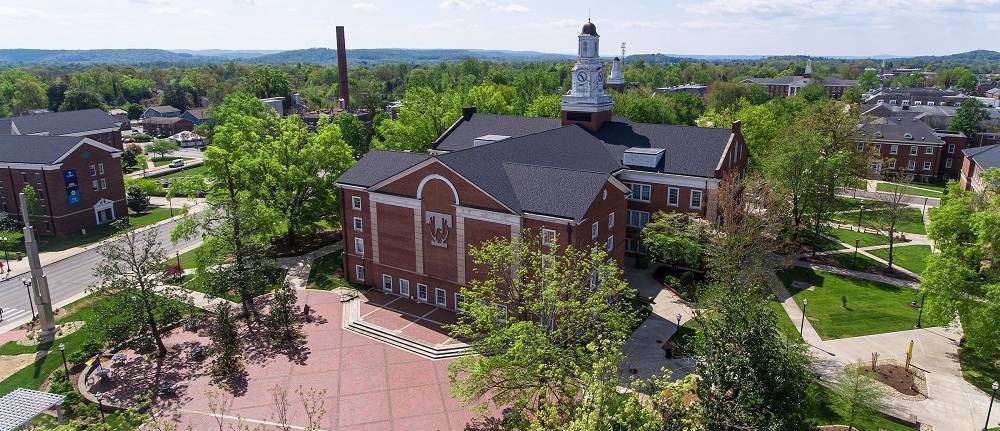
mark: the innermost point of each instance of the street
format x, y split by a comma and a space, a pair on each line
68, 279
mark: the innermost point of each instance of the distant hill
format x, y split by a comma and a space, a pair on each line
672, 58
980, 56
397, 55
231, 54
92, 56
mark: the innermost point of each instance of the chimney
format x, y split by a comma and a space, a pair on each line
467, 112
343, 91
737, 126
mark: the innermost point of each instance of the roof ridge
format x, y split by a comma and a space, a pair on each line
554, 167
511, 138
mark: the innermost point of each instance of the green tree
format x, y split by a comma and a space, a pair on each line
852, 94
265, 82
162, 147
130, 281
722, 95
179, 96
545, 105
282, 319
969, 118
858, 394
424, 116
868, 80
133, 111
137, 199
77, 100
354, 133
33, 204
56, 94
677, 237
226, 345
491, 99
536, 329
20, 92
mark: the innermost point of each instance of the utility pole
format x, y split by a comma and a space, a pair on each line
39, 283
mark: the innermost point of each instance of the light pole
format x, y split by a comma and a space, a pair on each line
678, 320
802, 324
62, 349
920, 314
861, 213
27, 285
854, 262
988, 412
6, 258
100, 405
925, 205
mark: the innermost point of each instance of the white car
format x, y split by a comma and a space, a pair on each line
176, 163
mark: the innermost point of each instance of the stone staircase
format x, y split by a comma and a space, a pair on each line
352, 322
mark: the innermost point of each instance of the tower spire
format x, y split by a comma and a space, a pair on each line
587, 104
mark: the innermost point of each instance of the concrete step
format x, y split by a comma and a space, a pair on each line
383, 335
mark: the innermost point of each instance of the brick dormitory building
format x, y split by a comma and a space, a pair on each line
78, 181
584, 179
907, 145
92, 123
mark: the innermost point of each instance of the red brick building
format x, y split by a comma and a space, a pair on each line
905, 145
91, 123
78, 181
585, 179
976, 161
162, 127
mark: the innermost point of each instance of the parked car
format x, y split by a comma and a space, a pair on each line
176, 163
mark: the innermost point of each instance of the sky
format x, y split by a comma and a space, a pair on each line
686, 27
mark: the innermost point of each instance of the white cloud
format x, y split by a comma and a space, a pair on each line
513, 7
452, 4
21, 12
370, 7
203, 12
492, 5
167, 10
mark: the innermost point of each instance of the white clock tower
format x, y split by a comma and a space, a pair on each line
586, 102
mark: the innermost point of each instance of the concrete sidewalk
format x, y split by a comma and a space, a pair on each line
644, 349
300, 266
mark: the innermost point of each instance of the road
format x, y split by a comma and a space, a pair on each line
69, 279
887, 197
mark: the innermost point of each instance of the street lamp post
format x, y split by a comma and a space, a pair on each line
100, 405
678, 320
854, 262
6, 258
861, 213
62, 349
27, 285
802, 324
920, 314
990, 411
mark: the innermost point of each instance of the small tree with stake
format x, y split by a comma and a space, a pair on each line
137, 199
225, 342
282, 319
895, 204
858, 394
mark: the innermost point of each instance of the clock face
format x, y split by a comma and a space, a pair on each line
581, 76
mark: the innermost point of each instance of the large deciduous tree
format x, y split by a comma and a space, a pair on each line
677, 237
424, 116
969, 118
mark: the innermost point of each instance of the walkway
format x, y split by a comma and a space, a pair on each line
644, 349
300, 266
953, 403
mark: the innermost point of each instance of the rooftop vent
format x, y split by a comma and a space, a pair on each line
643, 157
908, 136
487, 139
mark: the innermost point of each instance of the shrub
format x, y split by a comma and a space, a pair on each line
137, 199
141, 137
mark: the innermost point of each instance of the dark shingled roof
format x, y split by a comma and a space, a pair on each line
554, 191
59, 123
164, 109
377, 165
689, 150
164, 120
895, 127
465, 130
35, 150
987, 156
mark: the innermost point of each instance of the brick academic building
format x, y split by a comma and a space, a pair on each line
78, 181
585, 179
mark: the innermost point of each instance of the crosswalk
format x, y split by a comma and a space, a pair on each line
12, 314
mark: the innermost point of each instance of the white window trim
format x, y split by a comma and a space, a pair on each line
633, 197
947, 163
100, 168
548, 237
611, 243
951, 148
94, 185
628, 221
359, 273
104, 184
677, 196
404, 291
611, 220
359, 246
445, 296
892, 164
356, 202
696, 203
457, 298
386, 281
914, 150
358, 224
894, 149
595, 230
927, 165
419, 299
929, 150
911, 165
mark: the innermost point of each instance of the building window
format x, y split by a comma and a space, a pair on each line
458, 301
93, 170
548, 237
892, 102
594, 229
892, 164
929, 150
100, 168
387, 282
861, 146
404, 287
358, 224
951, 148
421, 292
359, 273
893, 149
673, 196
930, 103
917, 102
611, 244
637, 219
24, 177
947, 163
640, 192
38, 177
913, 150
927, 165
611, 221
94, 184
359, 246
695, 199
104, 184
440, 297
356, 202
911, 165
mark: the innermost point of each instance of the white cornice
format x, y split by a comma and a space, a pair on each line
629, 175
488, 216
393, 200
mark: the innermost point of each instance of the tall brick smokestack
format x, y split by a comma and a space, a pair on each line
342, 67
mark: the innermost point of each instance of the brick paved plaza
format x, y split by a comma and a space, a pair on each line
369, 385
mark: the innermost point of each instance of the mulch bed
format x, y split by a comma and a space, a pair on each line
304, 244
829, 260
897, 378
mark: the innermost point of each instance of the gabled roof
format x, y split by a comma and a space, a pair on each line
163, 109
466, 129
987, 156
42, 150
198, 113
58, 123
377, 165
690, 150
903, 126
164, 120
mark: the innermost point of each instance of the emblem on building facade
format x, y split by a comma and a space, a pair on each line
439, 226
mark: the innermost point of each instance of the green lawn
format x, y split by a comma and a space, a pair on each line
160, 161
928, 190
15, 240
822, 411
785, 324
188, 259
911, 257
910, 220
850, 236
274, 277
195, 171
981, 373
326, 273
872, 308
858, 263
